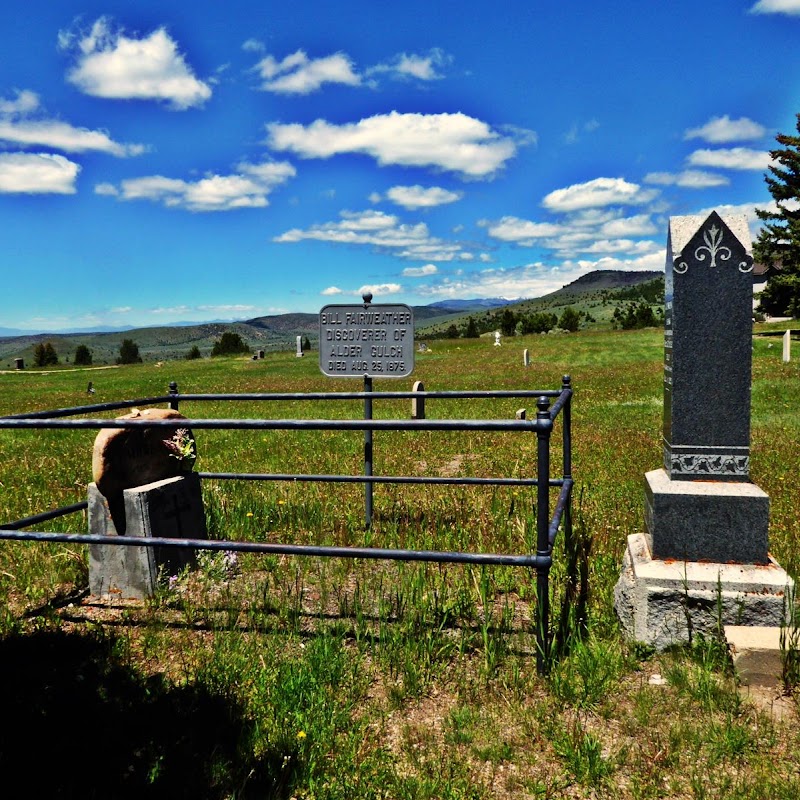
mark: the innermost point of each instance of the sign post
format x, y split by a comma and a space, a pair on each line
366, 341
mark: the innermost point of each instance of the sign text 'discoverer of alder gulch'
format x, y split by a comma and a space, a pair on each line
375, 341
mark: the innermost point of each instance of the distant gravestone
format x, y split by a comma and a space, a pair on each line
497, 338
19, 363
704, 558
170, 508
299, 353
787, 347
261, 354
526, 357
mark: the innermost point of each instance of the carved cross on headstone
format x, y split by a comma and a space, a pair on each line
175, 510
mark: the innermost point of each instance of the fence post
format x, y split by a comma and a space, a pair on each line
544, 426
368, 453
173, 390
418, 403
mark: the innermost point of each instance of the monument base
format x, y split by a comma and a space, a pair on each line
709, 520
661, 603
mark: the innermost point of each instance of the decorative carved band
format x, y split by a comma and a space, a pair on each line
706, 464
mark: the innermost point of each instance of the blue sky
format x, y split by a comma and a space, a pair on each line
167, 161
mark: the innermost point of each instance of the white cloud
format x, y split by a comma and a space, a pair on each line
412, 65
16, 128
331, 290
412, 197
25, 102
520, 231
380, 230
687, 179
731, 158
637, 225
298, 74
378, 289
789, 7
597, 193
62, 136
719, 130
420, 272
253, 46
627, 247
37, 173
248, 188
111, 64
536, 279
452, 142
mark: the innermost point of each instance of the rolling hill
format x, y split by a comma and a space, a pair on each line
278, 332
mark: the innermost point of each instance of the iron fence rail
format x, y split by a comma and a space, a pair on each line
542, 425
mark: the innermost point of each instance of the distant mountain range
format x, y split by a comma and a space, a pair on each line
277, 332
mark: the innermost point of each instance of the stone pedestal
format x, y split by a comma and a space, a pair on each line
170, 508
661, 602
706, 520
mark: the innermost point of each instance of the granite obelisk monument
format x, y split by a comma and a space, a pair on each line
703, 560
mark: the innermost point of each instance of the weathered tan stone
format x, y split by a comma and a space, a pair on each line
125, 457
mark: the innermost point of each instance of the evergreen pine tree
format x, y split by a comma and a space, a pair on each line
129, 352
778, 243
83, 356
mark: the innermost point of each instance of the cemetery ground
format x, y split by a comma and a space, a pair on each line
284, 677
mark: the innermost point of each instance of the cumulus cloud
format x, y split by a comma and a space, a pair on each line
111, 64
413, 197
585, 231
740, 158
25, 102
331, 290
536, 279
452, 142
247, 188
420, 272
598, 193
687, 179
382, 231
62, 136
18, 128
299, 74
37, 173
377, 289
720, 130
520, 231
788, 7
413, 65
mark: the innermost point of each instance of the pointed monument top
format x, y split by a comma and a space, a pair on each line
682, 229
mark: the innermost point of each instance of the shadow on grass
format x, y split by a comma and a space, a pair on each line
78, 721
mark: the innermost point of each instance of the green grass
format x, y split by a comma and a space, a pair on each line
317, 678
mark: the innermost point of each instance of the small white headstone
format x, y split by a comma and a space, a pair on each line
787, 347
299, 353
497, 338
526, 357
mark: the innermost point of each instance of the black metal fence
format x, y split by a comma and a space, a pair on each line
550, 405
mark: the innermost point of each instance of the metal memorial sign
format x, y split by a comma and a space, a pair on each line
375, 341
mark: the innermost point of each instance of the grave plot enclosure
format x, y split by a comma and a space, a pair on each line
549, 496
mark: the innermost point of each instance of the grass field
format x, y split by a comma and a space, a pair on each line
282, 677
